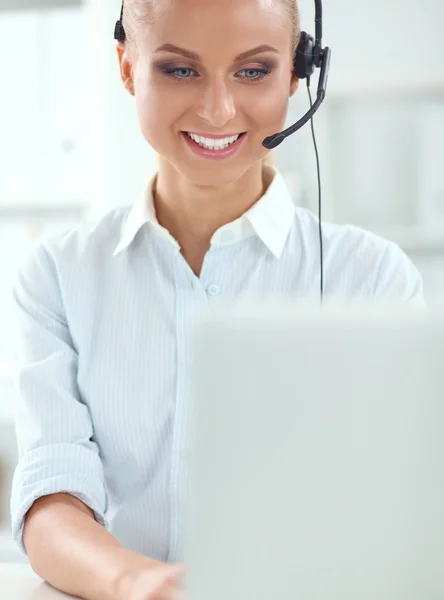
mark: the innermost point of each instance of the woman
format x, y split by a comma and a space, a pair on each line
105, 310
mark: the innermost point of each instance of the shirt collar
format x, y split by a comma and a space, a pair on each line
270, 218
142, 211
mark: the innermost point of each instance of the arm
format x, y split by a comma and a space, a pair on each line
58, 488
69, 549
397, 279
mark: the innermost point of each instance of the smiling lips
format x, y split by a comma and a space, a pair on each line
214, 146
214, 142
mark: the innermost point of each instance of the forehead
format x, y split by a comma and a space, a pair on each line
220, 25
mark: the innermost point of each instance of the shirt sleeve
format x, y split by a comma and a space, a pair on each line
398, 279
56, 447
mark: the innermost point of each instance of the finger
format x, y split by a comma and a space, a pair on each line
177, 568
175, 573
170, 591
178, 594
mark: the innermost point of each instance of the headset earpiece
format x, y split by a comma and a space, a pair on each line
304, 60
119, 30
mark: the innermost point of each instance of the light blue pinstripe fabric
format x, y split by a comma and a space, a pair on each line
104, 313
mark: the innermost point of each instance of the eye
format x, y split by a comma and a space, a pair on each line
186, 73
255, 74
178, 72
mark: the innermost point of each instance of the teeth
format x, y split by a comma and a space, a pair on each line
212, 144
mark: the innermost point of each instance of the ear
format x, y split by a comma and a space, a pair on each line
294, 83
126, 68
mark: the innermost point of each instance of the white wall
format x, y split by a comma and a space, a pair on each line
381, 43
120, 159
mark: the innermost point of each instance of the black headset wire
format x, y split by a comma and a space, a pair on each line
318, 42
321, 245
318, 23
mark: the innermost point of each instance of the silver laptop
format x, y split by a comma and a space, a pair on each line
317, 467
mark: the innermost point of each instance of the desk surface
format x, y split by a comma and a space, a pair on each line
19, 582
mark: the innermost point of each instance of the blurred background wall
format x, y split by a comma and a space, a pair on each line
71, 148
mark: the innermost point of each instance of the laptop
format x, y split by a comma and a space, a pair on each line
317, 460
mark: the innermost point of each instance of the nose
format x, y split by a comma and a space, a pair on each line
217, 106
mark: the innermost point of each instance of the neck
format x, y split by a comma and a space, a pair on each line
192, 213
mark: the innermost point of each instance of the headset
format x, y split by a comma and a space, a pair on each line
309, 55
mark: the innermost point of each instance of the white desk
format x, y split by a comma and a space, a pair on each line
19, 582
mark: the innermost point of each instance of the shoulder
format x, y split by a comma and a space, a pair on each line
362, 262
74, 250
88, 238
91, 237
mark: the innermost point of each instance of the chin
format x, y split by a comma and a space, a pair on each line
214, 176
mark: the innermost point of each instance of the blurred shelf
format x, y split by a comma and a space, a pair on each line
7, 371
7, 378
7, 418
52, 210
15, 5
367, 90
9, 551
414, 239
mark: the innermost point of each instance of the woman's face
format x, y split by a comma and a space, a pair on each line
204, 86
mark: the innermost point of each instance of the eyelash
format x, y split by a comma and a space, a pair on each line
172, 72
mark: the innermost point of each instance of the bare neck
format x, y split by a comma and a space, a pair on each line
193, 213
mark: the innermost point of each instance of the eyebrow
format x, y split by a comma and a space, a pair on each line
196, 57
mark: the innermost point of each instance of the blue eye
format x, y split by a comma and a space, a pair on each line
186, 73
255, 74
178, 72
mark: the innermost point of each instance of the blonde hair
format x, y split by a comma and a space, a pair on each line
136, 13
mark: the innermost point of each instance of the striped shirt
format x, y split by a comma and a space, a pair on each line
104, 313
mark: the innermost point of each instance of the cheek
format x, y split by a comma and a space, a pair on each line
270, 106
147, 103
157, 110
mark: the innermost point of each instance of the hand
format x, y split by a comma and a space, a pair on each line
158, 581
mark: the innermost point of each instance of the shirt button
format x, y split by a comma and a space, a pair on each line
213, 290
